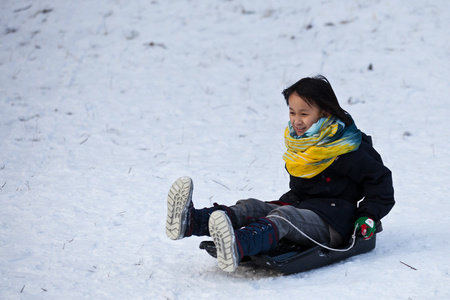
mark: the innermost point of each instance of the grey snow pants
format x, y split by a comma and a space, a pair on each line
305, 220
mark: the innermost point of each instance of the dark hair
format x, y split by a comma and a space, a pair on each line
317, 91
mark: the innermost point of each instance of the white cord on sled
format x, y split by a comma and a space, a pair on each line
314, 241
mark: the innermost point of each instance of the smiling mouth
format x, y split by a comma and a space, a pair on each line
300, 129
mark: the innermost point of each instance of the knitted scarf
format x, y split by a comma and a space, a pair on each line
313, 152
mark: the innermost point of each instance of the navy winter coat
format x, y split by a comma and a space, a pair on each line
334, 194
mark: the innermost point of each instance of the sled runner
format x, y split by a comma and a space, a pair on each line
289, 258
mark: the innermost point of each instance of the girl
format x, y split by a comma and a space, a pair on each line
338, 183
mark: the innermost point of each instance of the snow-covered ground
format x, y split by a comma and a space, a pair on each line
105, 103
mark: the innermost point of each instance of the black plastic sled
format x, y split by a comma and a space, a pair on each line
289, 258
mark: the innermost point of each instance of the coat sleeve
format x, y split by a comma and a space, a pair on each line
368, 170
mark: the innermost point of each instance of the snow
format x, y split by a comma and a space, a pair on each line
104, 104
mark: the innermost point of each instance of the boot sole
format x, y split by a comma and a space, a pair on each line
222, 232
178, 201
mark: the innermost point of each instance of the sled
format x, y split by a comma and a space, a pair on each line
290, 258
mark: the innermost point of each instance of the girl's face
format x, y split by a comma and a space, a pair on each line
302, 115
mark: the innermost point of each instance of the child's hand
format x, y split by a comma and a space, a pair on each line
367, 226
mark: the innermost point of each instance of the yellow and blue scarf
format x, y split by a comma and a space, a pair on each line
310, 154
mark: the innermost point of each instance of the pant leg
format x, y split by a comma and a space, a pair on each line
305, 220
249, 209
